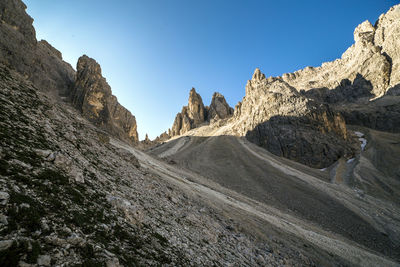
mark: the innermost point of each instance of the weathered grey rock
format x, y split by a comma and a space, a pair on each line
387, 32
37, 61
276, 116
3, 219
196, 114
195, 111
367, 59
191, 116
218, 108
4, 197
93, 97
114, 262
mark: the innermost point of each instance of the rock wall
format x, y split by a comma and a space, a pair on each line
43, 65
218, 108
276, 116
196, 114
37, 61
191, 116
374, 58
93, 97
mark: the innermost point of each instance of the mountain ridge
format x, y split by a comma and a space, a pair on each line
304, 171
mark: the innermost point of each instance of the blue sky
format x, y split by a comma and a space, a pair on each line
152, 52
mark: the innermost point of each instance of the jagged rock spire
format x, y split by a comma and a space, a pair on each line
219, 108
92, 95
258, 75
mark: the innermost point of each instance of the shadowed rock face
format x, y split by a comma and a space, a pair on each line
37, 61
93, 97
42, 64
277, 117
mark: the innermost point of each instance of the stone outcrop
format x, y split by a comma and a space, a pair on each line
374, 59
387, 32
43, 65
191, 116
218, 108
37, 61
276, 116
196, 114
303, 115
93, 97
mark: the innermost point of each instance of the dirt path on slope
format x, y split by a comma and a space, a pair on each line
354, 254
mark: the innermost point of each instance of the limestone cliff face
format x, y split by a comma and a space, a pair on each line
196, 114
37, 61
93, 97
276, 116
303, 115
191, 116
386, 35
195, 109
219, 109
369, 68
43, 65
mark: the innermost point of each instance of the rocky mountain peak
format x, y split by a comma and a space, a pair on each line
39, 62
93, 97
13, 13
196, 114
258, 75
196, 111
89, 66
219, 108
364, 33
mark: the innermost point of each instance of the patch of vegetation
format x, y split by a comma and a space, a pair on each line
26, 217
34, 253
12, 255
55, 176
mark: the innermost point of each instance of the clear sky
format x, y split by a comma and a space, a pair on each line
152, 52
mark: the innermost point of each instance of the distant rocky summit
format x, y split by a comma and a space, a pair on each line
219, 108
304, 115
196, 114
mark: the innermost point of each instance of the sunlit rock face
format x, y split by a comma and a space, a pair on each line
374, 58
191, 116
93, 97
219, 109
195, 114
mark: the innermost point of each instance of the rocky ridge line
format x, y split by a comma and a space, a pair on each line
42, 64
196, 114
